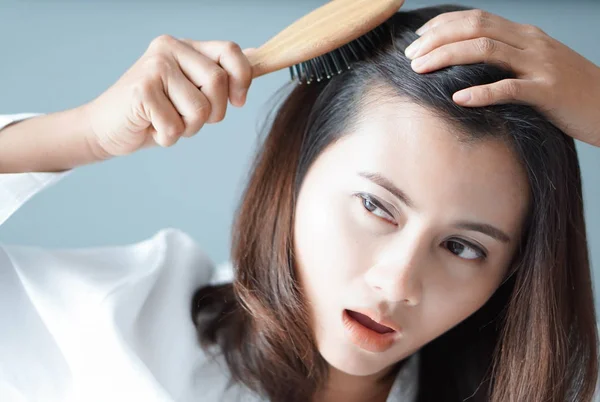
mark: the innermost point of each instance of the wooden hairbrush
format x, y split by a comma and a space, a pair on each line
326, 41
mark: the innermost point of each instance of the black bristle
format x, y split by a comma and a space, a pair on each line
363, 44
337, 68
371, 39
353, 47
321, 66
316, 72
299, 73
379, 31
308, 72
339, 60
345, 57
328, 69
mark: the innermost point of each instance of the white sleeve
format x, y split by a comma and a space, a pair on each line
17, 188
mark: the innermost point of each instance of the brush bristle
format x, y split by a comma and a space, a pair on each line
340, 60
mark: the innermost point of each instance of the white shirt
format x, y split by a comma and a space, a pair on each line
111, 323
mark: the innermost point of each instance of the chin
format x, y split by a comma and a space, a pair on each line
351, 360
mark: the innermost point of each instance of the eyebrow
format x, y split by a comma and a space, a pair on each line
386, 183
484, 228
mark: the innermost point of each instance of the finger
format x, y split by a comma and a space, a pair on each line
205, 74
441, 19
234, 61
481, 50
504, 91
469, 27
475, 14
193, 106
167, 123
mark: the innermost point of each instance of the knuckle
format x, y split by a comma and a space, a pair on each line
486, 46
550, 80
218, 77
193, 128
191, 131
159, 64
480, 14
232, 47
143, 90
442, 55
532, 29
200, 110
219, 115
479, 20
487, 95
166, 143
472, 24
432, 32
548, 89
511, 89
544, 45
174, 129
161, 42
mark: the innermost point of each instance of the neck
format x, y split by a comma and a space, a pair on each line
343, 387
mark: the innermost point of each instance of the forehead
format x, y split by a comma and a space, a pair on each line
423, 155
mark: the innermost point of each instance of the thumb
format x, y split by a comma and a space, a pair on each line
249, 51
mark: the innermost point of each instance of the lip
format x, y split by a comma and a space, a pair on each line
367, 339
378, 318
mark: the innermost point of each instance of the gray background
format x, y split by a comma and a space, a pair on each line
58, 54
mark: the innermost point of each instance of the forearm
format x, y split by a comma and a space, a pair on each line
49, 143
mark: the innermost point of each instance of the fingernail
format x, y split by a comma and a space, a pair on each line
419, 62
412, 49
421, 30
462, 97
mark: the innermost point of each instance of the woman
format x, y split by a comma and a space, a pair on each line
393, 242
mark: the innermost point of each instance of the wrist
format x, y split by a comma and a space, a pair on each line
92, 147
48, 143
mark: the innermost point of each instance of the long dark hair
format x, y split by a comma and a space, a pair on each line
534, 340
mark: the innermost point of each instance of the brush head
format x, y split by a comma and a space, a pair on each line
341, 59
324, 30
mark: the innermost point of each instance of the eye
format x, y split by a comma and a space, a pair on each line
373, 206
464, 250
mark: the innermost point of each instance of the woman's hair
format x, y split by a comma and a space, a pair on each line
534, 340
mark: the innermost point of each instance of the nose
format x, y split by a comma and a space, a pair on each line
398, 272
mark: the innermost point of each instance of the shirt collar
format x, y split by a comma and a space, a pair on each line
406, 384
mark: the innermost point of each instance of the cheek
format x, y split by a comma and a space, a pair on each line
331, 251
447, 302
327, 244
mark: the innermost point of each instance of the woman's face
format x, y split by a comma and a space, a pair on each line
402, 222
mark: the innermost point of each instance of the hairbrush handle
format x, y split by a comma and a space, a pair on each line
321, 31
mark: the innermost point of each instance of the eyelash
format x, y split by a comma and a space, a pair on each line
478, 250
367, 198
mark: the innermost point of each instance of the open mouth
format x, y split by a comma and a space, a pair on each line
369, 323
368, 334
